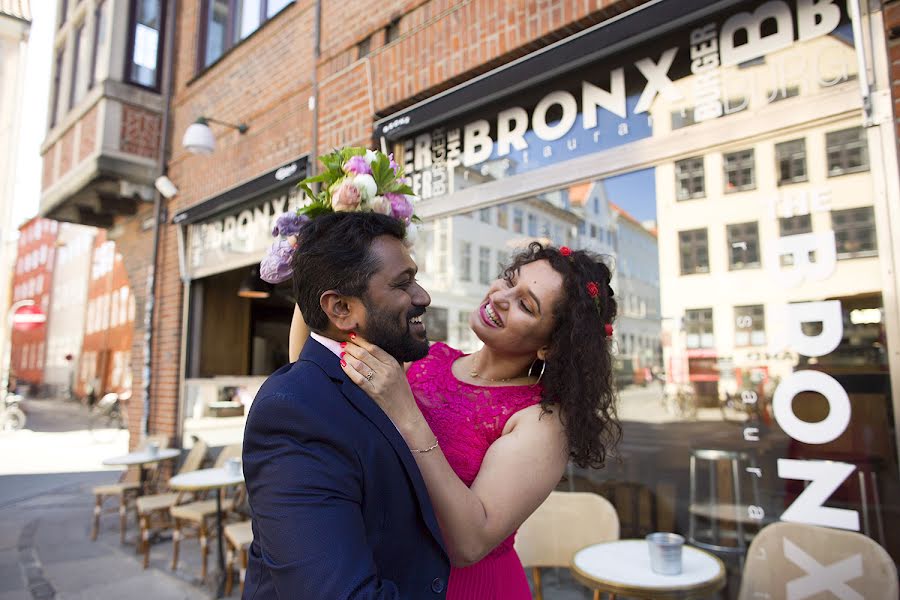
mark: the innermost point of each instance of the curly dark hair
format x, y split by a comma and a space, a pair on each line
578, 371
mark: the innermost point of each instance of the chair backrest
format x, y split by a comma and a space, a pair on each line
562, 525
229, 451
194, 459
791, 560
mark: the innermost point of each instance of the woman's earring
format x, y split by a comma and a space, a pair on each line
543, 366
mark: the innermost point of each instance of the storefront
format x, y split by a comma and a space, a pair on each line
736, 161
236, 326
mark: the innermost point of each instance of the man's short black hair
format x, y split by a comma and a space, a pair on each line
334, 252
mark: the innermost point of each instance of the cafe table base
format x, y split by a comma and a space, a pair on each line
623, 567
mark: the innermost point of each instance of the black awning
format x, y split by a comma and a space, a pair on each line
626, 30
284, 175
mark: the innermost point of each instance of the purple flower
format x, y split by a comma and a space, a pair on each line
357, 165
394, 165
288, 223
276, 265
401, 208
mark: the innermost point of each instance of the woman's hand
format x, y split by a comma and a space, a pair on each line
384, 379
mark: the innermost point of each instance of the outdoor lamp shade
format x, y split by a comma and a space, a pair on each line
253, 287
199, 139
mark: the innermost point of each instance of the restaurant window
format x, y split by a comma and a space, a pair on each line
689, 178
739, 171
98, 55
484, 265
698, 328
145, 44
75, 92
847, 151
854, 232
743, 246
791, 160
465, 261
795, 225
227, 22
694, 251
749, 325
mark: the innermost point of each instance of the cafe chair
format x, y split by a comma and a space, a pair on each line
238, 537
125, 491
153, 510
565, 523
786, 559
193, 518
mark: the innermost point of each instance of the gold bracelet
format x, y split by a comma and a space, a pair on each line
429, 449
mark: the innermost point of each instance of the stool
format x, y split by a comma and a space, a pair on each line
715, 511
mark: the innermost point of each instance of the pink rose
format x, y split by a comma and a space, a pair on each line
357, 165
346, 197
401, 208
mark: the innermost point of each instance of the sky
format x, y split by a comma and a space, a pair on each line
34, 111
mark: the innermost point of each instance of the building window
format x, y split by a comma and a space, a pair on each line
145, 43
392, 32
502, 217
228, 22
682, 118
465, 261
435, 320
698, 327
749, 325
484, 265
854, 232
743, 246
689, 178
75, 82
518, 220
98, 57
694, 249
847, 151
57, 79
791, 160
485, 215
739, 175
364, 47
793, 226
532, 225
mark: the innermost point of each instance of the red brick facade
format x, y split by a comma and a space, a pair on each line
892, 34
140, 131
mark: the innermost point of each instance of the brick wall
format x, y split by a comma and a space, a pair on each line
892, 33
140, 131
88, 143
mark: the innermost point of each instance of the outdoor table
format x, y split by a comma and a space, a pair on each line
623, 567
142, 458
215, 480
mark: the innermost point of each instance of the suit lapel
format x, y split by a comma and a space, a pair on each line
315, 352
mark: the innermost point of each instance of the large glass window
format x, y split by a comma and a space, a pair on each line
75, 83
791, 160
743, 246
145, 51
227, 22
749, 325
694, 251
99, 57
739, 171
698, 327
847, 151
689, 178
854, 232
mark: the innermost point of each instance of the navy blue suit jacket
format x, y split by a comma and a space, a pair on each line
338, 505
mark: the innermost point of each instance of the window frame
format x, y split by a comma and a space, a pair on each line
230, 43
160, 44
730, 241
98, 14
700, 323
691, 175
77, 34
484, 265
862, 141
465, 261
840, 228
791, 157
697, 269
753, 311
744, 187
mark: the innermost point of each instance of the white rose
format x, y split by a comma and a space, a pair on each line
381, 205
412, 234
370, 156
366, 186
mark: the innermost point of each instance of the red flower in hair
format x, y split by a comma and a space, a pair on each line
565, 251
609, 330
592, 289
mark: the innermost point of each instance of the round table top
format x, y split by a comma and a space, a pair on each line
624, 566
205, 479
142, 457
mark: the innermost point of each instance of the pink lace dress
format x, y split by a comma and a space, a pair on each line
467, 419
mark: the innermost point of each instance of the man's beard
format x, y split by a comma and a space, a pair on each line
383, 330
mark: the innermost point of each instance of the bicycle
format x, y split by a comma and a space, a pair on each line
106, 418
680, 402
12, 418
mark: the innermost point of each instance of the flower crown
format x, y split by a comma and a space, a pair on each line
593, 290
353, 180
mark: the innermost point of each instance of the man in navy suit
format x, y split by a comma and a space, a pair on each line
338, 505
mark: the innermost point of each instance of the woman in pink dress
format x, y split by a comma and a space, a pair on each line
492, 431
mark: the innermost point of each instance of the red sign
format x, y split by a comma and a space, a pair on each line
27, 318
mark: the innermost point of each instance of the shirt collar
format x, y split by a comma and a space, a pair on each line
333, 345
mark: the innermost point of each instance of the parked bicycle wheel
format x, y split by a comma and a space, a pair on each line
12, 419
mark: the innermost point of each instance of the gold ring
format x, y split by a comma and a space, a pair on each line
370, 376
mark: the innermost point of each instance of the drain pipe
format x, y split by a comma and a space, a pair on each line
313, 163
158, 216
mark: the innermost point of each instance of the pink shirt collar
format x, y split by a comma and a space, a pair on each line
329, 343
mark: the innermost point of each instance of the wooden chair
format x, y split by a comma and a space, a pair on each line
238, 537
565, 523
154, 509
771, 569
125, 490
192, 519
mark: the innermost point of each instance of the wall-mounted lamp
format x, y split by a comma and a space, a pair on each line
199, 138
